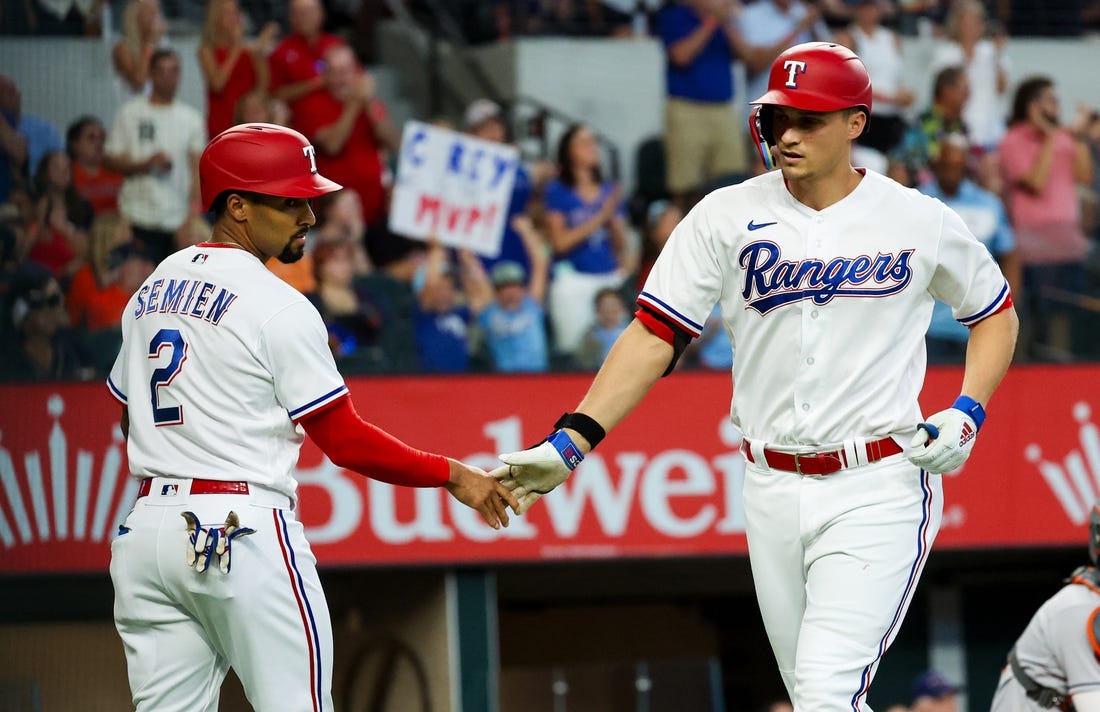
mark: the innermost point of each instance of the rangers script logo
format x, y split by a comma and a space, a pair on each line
771, 282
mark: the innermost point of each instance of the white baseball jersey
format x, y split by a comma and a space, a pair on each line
827, 310
1057, 650
218, 356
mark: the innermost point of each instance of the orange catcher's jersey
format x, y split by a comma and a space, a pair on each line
219, 358
826, 310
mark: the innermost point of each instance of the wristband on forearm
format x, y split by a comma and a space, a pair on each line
972, 408
571, 455
587, 426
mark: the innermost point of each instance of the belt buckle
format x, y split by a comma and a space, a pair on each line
797, 464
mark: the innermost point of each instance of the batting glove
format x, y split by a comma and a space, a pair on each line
531, 473
943, 443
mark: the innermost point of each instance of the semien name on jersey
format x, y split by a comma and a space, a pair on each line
191, 297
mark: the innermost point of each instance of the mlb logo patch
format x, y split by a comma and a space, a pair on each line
169, 490
200, 258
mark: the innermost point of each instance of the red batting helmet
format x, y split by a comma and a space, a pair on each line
814, 76
261, 158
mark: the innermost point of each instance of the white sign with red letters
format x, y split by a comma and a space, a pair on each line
453, 187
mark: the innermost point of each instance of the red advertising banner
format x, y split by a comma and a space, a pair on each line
667, 482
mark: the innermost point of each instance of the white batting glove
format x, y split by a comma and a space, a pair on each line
531, 473
945, 440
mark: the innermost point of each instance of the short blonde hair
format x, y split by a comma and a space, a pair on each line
101, 240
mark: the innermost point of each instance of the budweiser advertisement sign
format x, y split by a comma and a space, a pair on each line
667, 482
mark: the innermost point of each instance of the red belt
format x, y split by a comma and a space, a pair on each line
202, 487
824, 463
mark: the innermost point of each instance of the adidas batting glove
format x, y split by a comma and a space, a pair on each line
945, 440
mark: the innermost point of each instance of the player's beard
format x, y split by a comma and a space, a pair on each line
291, 253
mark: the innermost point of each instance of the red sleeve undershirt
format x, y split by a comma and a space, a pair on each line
354, 444
1004, 305
655, 325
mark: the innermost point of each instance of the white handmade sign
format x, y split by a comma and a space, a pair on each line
454, 187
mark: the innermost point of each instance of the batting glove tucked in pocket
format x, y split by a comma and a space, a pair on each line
205, 543
945, 440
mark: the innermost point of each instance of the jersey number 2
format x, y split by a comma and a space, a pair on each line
167, 415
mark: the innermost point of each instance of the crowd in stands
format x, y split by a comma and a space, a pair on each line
84, 220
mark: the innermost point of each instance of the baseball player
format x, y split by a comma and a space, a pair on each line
826, 276
222, 368
1055, 664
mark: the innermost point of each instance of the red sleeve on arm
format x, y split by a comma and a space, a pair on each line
1004, 305
655, 325
354, 444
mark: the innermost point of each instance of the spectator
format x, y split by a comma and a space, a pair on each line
349, 128
984, 214
703, 131
933, 693
43, 348
155, 143
1043, 164
21, 216
296, 63
340, 220
662, 218
258, 107
391, 253
115, 270
231, 67
62, 219
1086, 126
987, 66
84, 141
143, 28
13, 145
353, 320
10, 263
301, 274
612, 316
68, 17
484, 119
442, 318
950, 90
510, 312
713, 350
39, 135
880, 49
586, 225
769, 27
195, 229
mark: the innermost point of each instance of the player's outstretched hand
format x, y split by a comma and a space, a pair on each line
943, 443
531, 473
474, 488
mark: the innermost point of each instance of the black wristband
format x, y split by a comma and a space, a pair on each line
589, 429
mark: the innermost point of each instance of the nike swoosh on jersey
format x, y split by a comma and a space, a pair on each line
757, 226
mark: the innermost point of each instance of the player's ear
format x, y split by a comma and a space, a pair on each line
857, 122
236, 206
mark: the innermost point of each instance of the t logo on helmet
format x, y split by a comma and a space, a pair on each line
310, 153
793, 67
